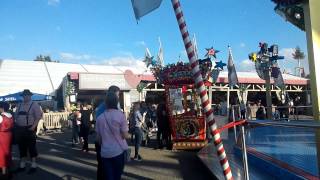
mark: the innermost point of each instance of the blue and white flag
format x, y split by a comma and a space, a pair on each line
232, 74
143, 7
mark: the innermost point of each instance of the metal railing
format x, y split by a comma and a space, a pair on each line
56, 120
278, 112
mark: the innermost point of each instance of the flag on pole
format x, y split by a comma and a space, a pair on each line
195, 47
143, 7
160, 55
232, 74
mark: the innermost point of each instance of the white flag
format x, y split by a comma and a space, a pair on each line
160, 55
232, 74
143, 7
195, 47
148, 54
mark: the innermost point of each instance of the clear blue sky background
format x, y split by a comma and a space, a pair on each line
98, 31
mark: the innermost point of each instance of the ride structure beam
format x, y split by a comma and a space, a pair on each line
312, 25
202, 91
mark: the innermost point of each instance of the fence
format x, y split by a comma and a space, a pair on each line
56, 120
278, 112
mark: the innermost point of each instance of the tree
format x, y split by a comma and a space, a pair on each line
298, 55
45, 59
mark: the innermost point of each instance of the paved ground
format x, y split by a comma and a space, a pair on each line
58, 160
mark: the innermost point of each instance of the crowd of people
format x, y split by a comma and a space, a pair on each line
106, 122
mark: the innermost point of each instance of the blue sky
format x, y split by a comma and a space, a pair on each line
105, 31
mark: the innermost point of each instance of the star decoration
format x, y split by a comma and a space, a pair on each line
211, 52
148, 61
253, 57
220, 65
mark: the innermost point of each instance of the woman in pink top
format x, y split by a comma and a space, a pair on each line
112, 131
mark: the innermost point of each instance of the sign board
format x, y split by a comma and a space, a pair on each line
93, 81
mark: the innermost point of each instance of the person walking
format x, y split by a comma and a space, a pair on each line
242, 110
112, 131
6, 124
27, 117
138, 131
99, 111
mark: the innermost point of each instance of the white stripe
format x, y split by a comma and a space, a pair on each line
222, 156
177, 11
229, 175
217, 136
181, 21
213, 127
225, 166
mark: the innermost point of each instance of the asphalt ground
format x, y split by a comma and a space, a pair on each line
59, 160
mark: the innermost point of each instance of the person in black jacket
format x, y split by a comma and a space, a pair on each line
86, 115
163, 133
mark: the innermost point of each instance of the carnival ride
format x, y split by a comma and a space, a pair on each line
188, 126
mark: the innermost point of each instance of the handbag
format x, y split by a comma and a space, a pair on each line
126, 152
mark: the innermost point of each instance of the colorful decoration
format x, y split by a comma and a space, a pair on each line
253, 57
220, 65
187, 128
266, 60
148, 61
211, 52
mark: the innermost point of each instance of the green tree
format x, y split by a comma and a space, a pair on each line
44, 58
298, 55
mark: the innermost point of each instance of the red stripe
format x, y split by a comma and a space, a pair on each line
176, 5
194, 64
214, 132
218, 141
208, 113
281, 164
185, 35
204, 104
190, 54
179, 15
220, 151
203, 93
187, 45
225, 172
223, 161
199, 84
182, 25
210, 123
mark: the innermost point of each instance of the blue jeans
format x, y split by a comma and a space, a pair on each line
138, 139
113, 167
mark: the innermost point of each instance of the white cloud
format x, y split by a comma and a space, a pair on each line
242, 45
129, 61
246, 66
53, 2
287, 53
140, 43
289, 63
70, 57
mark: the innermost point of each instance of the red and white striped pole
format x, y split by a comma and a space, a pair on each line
206, 105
